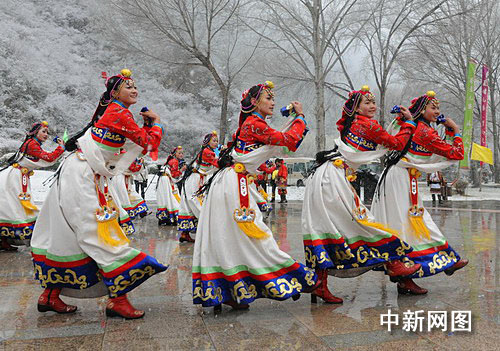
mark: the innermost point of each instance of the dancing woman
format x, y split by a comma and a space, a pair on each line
341, 237
127, 197
78, 247
236, 259
203, 166
139, 206
398, 204
17, 213
167, 195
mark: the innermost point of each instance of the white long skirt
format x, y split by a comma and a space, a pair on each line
168, 205
333, 238
190, 206
230, 265
15, 223
391, 207
129, 200
66, 250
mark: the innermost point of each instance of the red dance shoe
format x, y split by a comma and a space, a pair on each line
186, 237
50, 301
322, 291
237, 306
460, 264
6, 246
120, 307
397, 268
408, 286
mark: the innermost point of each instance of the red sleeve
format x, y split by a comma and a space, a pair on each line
135, 167
430, 139
208, 156
283, 172
374, 132
173, 165
269, 136
263, 168
121, 121
34, 149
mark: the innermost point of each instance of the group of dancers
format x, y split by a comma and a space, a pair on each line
79, 238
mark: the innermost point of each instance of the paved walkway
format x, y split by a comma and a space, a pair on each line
172, 322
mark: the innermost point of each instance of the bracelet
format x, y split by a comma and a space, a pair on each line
300, 114
301, 117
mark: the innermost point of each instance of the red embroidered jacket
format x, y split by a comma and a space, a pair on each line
208, 157
283, 172
135, 166
32, 149
366, 133
265, 170
118, 119
173, 165
427, 141
255, 131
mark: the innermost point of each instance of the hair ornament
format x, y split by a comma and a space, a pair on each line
269, 84
126, 73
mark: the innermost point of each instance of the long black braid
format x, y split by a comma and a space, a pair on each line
20, 152
393, 157
112, 84
322, 157
189, 170
225, 158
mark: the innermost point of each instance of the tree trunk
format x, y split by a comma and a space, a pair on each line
224, 92
382, 107
223, 125
320, 116
319, 80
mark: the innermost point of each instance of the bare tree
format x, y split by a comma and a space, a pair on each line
312, 35
489, 47
446, 48
205, 32
395, 24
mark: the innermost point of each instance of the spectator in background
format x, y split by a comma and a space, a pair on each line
281, 180
265, 169
141, 179
437, 184
274, 176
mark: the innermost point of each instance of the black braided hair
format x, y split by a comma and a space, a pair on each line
322, 157
111, 85
225, 158
393, 157
30, 136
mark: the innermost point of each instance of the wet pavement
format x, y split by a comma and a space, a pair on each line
172, 322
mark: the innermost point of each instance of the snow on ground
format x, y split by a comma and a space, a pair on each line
489, 191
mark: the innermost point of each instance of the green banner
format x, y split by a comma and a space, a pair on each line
469, 109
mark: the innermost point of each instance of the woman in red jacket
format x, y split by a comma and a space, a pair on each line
78, 246
18, 214
282, 180
398, 202
167, 195
202, 167
341, 236
236, 259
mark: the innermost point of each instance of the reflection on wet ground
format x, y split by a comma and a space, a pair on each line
173, 322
